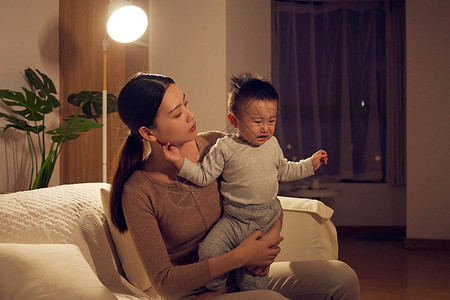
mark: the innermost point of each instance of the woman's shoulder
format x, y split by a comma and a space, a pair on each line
143, 178
142, 188
136, 180
210, 136
206, 140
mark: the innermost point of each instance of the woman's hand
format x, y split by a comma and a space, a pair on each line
254, 251
259, 271
172, 154
319, 158
251, 252
273, 233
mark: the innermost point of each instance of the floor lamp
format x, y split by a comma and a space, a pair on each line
126, 23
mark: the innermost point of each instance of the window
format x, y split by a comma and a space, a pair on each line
335, 65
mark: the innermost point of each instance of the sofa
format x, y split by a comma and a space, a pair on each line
58, 243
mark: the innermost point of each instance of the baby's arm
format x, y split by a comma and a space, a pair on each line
205, 172
200, 173
289, 170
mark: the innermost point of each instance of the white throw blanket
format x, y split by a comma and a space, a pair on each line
66, 214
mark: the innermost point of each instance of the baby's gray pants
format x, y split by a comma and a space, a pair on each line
237, 223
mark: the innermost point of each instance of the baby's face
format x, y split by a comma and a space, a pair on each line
256, 121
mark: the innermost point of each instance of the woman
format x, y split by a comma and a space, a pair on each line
168, 217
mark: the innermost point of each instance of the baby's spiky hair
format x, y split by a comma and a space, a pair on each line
246, 87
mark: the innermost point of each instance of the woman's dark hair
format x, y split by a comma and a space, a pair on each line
137, 104
247, 87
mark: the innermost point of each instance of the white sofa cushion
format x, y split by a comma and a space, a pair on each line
48, 271
128, 255
315, 207
66, 214
308, 231
49, 215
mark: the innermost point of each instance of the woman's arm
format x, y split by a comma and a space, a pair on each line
167, 278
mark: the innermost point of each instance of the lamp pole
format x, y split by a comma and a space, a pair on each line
126, 23
104, 113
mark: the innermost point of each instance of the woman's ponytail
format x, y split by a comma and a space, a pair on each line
130, 157
137, 104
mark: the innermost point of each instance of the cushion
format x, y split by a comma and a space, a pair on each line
307, 229
315, 207
128, 255
49, 215
47, 271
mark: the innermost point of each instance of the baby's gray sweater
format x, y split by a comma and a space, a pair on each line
250, 174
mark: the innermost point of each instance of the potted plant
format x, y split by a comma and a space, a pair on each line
29, 110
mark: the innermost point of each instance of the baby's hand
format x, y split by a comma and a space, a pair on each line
319, 158
172, 154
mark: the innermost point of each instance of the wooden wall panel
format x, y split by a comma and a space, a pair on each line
82, 30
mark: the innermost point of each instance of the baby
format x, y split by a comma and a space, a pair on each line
251, 164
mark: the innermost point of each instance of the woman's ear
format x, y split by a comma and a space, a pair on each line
232, 119
147, 134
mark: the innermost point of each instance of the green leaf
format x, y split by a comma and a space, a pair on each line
44, 87
53, 100
33, 108
20, 124
70, 130
34, 79
40, 105
49, 87
111, 103
91, 103
8, 94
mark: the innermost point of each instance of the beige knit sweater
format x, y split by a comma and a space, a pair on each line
167, 222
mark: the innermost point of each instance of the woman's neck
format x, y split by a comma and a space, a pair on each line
163, 170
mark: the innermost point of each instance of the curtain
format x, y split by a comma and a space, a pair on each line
330, 67
395, 94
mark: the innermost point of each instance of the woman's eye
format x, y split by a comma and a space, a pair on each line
178, 115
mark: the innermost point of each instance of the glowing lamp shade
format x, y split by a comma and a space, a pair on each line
127, 24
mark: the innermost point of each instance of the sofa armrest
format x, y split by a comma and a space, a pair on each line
308, 231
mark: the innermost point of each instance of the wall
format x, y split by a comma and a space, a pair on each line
428, 111
29, 31
248, 37
187, 43
206, 42
368, 204
358, 204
